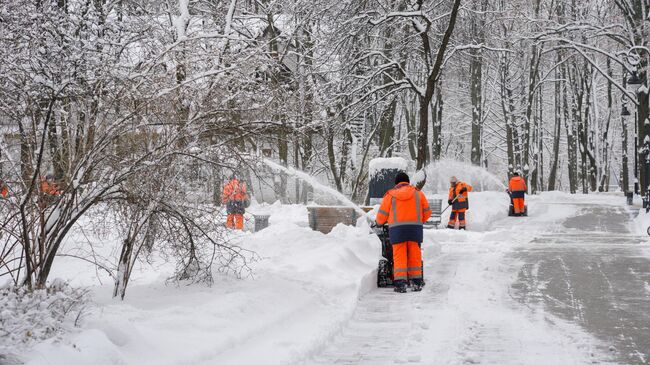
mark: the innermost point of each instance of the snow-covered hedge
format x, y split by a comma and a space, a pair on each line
27, 316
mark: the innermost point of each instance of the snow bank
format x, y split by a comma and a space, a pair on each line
29, 317
304, 287
281, 213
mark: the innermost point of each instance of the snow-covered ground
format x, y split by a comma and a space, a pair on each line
312, 299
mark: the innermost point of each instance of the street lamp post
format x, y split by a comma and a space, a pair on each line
632, 85
640, 91
636, 156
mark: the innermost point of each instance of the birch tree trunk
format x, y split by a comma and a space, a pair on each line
557, 129
477, 29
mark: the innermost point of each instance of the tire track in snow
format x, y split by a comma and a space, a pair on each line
383, 327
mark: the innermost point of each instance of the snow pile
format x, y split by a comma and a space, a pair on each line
27, 317
305, 286
641, 224
378, 164
485, 208
281, 213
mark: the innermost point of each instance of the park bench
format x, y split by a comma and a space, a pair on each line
436, 208
325, 218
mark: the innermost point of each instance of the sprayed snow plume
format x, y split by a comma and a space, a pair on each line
439, 172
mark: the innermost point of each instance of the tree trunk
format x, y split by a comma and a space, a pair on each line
124, 267
437, 127
624, 147
476, 91
530, 101
387, 129
331, 154
432, 78
477, 28
572, 155
283, 154
557, 130
409, 115
508, 114
604, 169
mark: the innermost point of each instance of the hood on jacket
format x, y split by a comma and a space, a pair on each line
403, 191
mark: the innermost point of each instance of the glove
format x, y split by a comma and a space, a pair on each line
449, 201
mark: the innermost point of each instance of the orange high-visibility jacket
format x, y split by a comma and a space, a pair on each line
462, 201
517, 187
233, 190
48, 187
5, 191
405, 209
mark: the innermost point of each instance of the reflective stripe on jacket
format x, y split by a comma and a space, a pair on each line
462, 202
405, 209
517, 187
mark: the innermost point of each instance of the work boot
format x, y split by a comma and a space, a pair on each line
462, 227
417, 284
400, 287
449, 226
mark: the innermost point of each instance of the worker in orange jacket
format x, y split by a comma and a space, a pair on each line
48, 186
234, 196
48, 191
458, 199
517, 189
405, 209
4, 189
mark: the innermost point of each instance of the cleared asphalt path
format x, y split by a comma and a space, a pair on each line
595, 273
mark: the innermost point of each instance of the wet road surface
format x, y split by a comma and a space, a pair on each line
595, 273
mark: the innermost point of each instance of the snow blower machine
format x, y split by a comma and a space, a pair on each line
385, 275
511, 208
385, 269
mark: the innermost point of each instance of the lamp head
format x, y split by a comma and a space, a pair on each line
625, 112
634, 79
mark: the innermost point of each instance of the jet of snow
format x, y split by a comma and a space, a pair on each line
439, 172
316, 185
